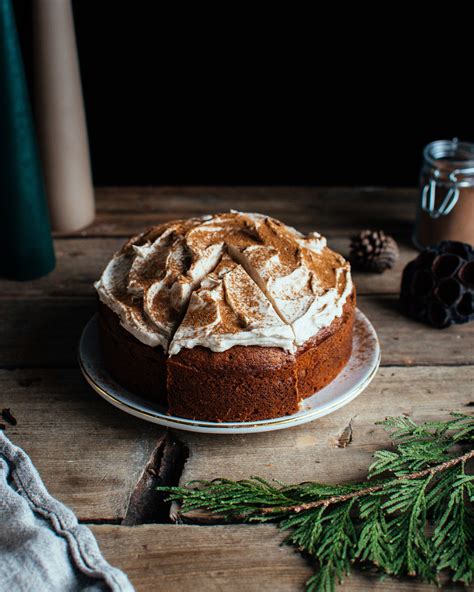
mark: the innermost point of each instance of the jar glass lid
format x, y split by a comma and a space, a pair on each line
450, 153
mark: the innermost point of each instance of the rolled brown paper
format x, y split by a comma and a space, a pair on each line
60, 117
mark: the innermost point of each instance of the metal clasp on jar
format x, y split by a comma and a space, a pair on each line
428, 193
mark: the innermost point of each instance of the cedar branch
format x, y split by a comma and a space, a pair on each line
368, 490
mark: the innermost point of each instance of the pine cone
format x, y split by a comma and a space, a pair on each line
373, 250
438, 286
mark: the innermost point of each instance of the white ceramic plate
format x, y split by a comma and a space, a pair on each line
357, 374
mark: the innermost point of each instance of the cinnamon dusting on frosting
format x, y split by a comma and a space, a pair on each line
224, 280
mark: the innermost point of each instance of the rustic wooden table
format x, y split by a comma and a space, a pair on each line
97, 460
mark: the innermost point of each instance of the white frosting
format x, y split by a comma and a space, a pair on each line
323, 309
111, 286
225, 280
232, 311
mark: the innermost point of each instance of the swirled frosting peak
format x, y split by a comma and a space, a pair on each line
224, 280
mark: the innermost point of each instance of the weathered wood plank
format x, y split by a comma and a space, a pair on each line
42, 332
214, 558
190, 558
89, 454
45, 333
122, 211
79, 263
405, 341
310, 452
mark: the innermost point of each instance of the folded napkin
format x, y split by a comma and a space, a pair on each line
42, 545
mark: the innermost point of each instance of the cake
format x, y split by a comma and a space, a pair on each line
229, 317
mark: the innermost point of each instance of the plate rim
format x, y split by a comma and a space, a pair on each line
203, 426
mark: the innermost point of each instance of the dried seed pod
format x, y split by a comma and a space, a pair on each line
438, 286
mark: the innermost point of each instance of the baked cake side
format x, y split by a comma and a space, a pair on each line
134, 365
253, 383
231, 317
243, 383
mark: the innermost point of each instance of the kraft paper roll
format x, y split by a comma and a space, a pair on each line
60, 115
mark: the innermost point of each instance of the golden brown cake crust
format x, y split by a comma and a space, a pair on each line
136, 366
243, 383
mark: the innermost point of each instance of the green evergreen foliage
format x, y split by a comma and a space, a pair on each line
412, 517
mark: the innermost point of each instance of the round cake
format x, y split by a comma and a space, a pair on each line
229, 317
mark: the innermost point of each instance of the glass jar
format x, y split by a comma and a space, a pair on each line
446, 205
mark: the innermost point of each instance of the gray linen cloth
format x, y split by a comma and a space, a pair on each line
42, 545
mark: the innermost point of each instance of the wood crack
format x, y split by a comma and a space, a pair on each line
164, 467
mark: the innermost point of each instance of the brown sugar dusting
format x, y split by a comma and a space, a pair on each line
230, 321
365, 341
163, 309
202, 282
269, 239
154, 268
180, 227
242, 296
204, 315
235, 229
227, 272
277, 236
324, 266
240, 384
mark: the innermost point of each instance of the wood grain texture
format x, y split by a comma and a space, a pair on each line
405, 341
44, 332
89, 454
194, 558
215, 558
310, 452
79, 263
122, 211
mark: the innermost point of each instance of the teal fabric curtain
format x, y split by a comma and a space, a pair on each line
26, 247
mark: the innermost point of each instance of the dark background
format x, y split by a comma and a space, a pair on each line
238, 99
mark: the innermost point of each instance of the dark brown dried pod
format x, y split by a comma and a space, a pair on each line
438, 286
373, 250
